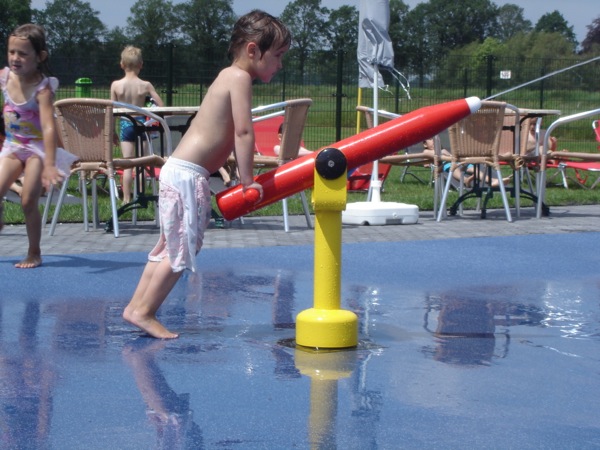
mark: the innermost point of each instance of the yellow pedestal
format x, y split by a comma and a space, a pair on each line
327, 325
327, 328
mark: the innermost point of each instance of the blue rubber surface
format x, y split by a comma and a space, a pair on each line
464, 343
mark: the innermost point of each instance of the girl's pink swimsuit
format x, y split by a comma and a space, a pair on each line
23, 128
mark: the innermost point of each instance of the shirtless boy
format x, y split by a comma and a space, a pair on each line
223, 124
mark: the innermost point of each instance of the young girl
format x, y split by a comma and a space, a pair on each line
223, 123
30, 144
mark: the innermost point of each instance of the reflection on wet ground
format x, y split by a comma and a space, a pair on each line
487, 343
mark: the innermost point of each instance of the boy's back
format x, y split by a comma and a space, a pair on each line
214, 133
131, 89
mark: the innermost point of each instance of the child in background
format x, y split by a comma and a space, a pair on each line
223, 124
468, 170
530, 147
301, 152
133, 90
30, 145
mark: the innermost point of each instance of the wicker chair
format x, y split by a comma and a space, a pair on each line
476, 140
414, 156
294, 114
87, 128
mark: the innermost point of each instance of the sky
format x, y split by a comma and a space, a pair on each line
578, 13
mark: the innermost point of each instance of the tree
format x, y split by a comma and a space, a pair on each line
554, 22
73, 28
74, 34
592, 38
510, 21
152, 25
471, 64
115, 41
306, 20
550, 46
206, 25
406, 39
341, 29
449, 24
12, 14
340, 40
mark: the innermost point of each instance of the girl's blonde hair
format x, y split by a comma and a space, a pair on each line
37, 36
261, 28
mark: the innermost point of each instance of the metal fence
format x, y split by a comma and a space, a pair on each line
331, 80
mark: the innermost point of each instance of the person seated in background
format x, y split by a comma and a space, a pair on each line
468, 171
429, 149
530, 149
303, 151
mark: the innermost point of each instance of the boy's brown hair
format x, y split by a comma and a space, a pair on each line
261, 28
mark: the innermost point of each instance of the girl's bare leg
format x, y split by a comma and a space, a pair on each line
30, 195
155, 284
10, 168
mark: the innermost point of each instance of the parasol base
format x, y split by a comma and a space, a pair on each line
380, 213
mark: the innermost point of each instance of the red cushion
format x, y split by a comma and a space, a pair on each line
266, 135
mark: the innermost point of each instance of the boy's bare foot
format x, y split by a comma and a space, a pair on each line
148, 324
30, 262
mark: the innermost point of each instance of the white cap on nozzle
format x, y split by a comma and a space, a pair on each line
474, 104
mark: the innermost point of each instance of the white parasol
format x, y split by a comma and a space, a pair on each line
375, 52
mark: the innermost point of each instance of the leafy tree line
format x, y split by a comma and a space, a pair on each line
193, 36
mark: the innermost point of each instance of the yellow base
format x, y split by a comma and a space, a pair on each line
327, 328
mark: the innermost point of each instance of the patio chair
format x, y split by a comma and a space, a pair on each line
359, 179
87, 127
415, 156
475, 140
267, 119
581, 170
580, 160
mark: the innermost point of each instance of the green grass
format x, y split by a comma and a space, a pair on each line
411, 191
321, 121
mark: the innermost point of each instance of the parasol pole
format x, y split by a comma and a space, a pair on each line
374, 193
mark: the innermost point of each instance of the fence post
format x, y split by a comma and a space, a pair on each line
170, 51
397, 96
490, 74
338, 96
542, 88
